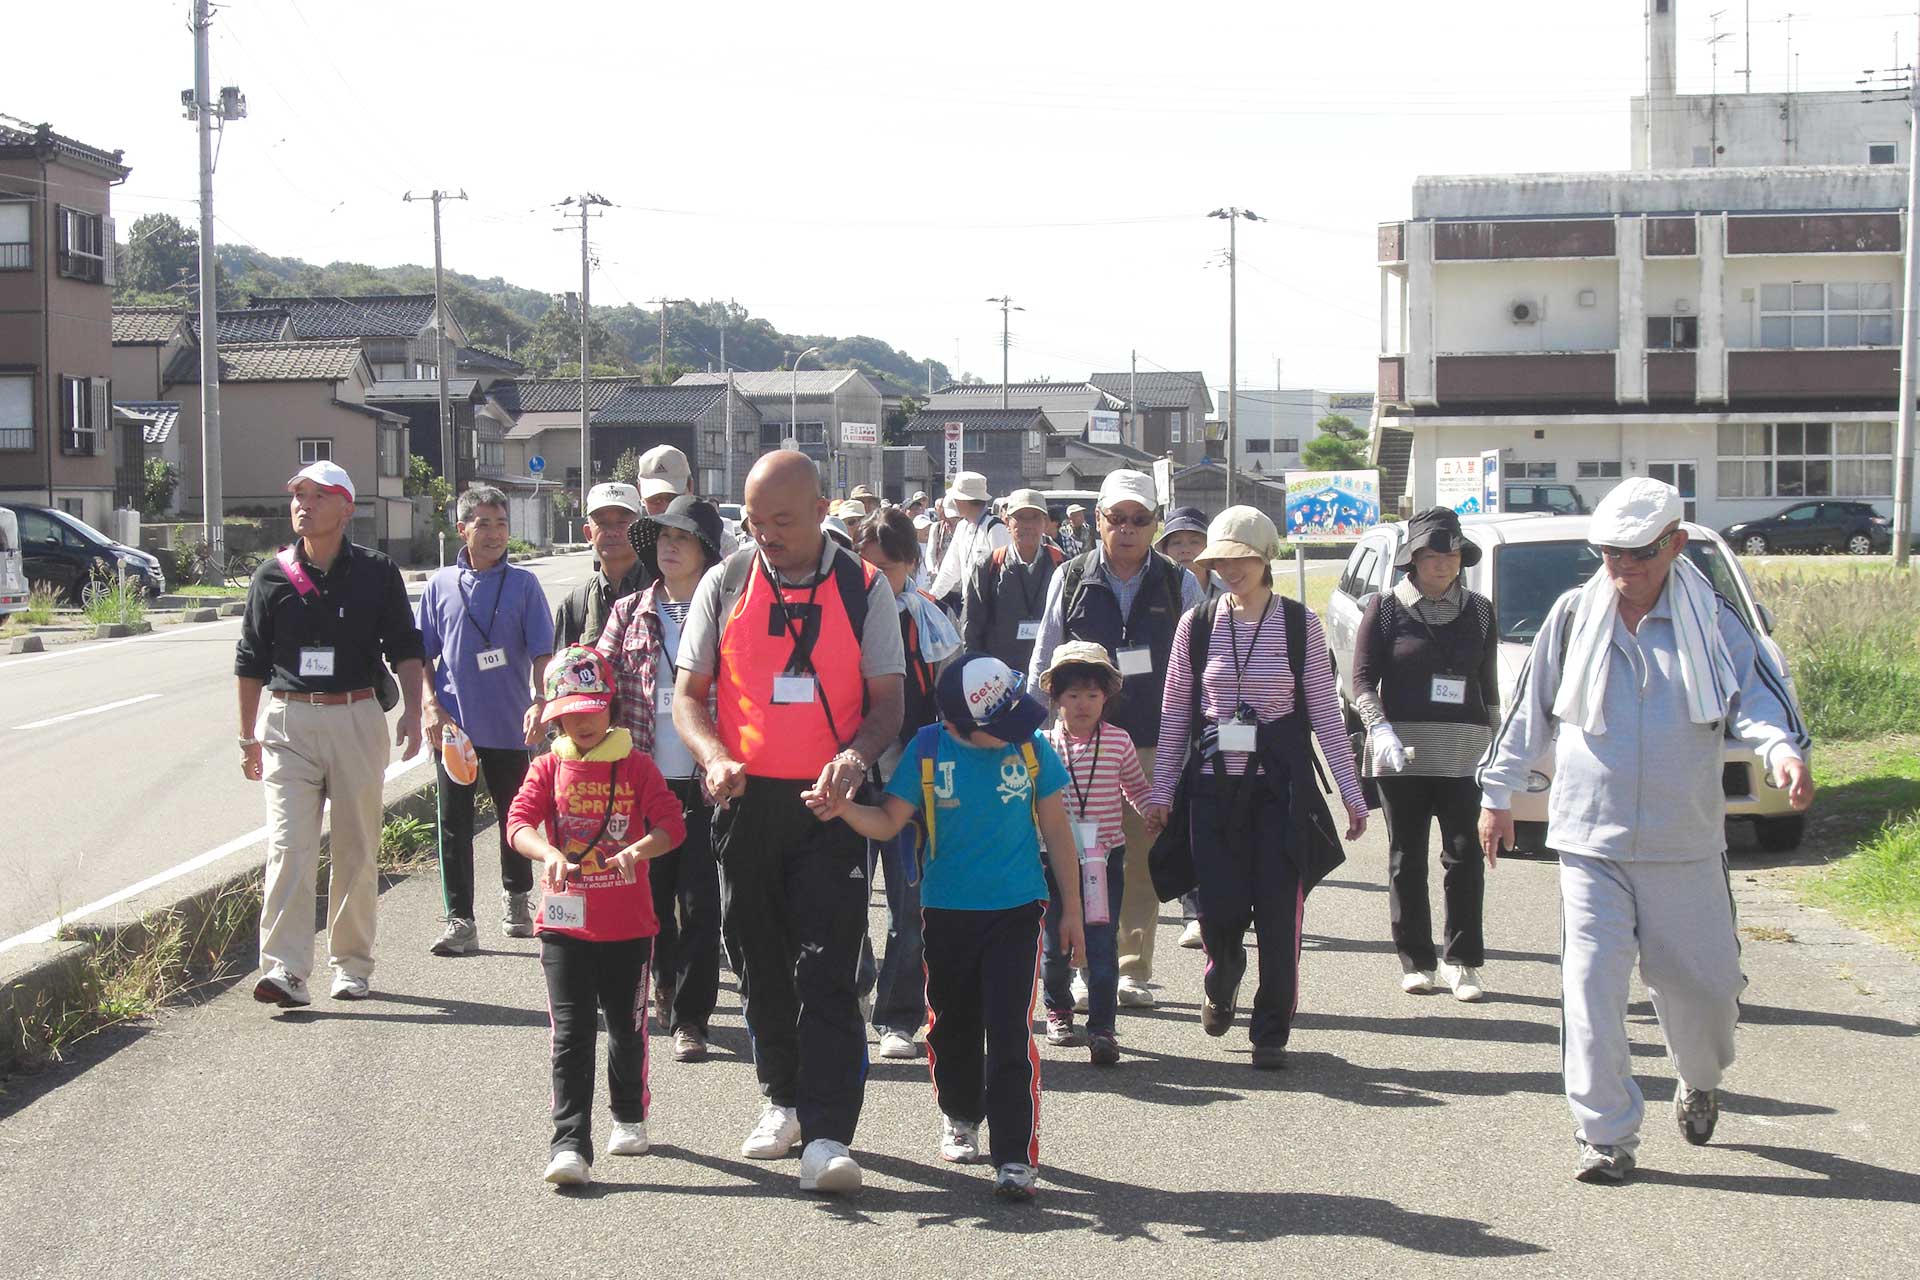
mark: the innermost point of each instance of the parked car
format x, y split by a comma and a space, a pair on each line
1826, 525
1554, 499
13, 578
69, 556
1528, 562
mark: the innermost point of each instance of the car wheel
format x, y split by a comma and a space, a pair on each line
1860, 544
1780, 835
91, 591
1754, 545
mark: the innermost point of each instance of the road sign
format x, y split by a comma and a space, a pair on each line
536, 464
859, 433
956, 441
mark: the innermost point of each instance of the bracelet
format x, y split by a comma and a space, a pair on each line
249, 742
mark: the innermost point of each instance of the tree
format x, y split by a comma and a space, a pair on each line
163, 254
554, 346
159, 478
1339, 446
626, 468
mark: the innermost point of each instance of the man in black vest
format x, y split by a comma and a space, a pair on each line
1007, 591
1128, 597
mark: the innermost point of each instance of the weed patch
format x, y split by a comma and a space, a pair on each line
1853, 645
1879, 884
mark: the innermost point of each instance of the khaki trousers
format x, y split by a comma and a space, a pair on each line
1139, 905
311, 755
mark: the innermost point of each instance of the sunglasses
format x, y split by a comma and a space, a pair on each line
1641, 554
1139, 522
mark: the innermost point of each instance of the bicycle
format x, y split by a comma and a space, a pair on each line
235, 571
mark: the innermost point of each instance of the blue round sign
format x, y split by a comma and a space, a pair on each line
536, 464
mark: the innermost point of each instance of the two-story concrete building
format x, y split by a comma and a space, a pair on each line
831, 413
1167, 411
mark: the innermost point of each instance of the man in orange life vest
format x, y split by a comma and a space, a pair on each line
799, 640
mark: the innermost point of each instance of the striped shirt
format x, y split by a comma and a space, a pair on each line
1247, 662
1104, 768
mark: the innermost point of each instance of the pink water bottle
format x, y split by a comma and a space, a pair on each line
1093, 887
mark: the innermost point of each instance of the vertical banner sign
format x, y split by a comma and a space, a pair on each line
1457, 484
1331, 506
1163, 480
956, 433
1489, 481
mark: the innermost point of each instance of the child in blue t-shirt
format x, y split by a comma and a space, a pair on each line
996, 789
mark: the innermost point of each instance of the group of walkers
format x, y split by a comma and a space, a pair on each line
742, 738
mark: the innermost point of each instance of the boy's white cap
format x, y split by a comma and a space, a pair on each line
1634, 513
613, 495
1128, 486
663, 469
328, 475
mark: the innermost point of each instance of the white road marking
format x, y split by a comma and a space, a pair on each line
90, 711
48, 931
85, 647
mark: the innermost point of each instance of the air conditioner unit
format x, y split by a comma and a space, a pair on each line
1524, 311
1681, 306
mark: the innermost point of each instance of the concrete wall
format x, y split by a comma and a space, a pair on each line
1474, 299
1765, 129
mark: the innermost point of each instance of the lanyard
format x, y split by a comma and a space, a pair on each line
1083, 796
1021, 574
466, 607
1233, 647
295, 566
1433, 637
801, 652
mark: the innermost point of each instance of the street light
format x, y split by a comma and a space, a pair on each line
1233, 216
793, 412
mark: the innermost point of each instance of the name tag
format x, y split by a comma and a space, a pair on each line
788, 690
1088, 835
1451, 690
1136, 661
564, 910
316, 662
1030, 629
1235, 736
490, 659
663, 695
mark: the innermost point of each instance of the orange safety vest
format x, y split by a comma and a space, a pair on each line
791, 740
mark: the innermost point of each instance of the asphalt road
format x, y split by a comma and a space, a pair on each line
405, 1136
117, 762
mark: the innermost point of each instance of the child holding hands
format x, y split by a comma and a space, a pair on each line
591, 812
987, 789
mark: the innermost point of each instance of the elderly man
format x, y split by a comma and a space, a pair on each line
617, 571
799, 641
321, 619
1635, 682
977, 533
1123, 594
1005, 592
1074, 535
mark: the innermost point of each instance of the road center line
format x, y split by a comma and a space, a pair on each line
90, 711
48, 931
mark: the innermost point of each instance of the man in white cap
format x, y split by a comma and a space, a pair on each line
663, 475
977, 532
1006, 592
1636, 680
617, 571
324, 621
1074, 535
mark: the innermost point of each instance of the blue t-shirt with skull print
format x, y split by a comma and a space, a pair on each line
986, 854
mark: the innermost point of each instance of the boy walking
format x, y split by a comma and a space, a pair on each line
986, 789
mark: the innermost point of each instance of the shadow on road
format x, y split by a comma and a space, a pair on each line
1832, 1177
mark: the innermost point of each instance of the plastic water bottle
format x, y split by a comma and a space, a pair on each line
1093, 887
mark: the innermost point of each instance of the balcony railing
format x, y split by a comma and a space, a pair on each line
16, 438
16, 257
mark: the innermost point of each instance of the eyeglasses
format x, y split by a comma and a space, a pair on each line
1144, 521
1641, 554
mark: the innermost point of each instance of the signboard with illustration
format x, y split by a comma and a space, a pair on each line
1456, 484
1331, 506
1103, 427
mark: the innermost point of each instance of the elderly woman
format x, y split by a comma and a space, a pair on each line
1426, 686
1258, 824
641, 640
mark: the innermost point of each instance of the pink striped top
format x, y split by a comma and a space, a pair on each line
1260, 677
1116, 774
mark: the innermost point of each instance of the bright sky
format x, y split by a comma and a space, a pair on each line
883, 168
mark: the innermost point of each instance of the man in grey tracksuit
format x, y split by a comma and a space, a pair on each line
1637, 817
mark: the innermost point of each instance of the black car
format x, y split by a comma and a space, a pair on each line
1824, 525
64, 553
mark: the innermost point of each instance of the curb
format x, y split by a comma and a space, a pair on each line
117, 630
54, 972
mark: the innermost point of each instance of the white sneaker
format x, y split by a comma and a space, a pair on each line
1134, 994
774, 1136
1079, 988
1190, 936
348, 987
897, 1044
959, 1141
568, 1169
827, 1167
1416, 982
628, 1139
278, 986
1465, 981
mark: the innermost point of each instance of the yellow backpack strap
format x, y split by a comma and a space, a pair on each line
1032, 758
926, 791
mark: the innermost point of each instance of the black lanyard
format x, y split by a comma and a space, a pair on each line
1433, 637
1020, 573
1233, 647
802, 652
466, 607
1092, 773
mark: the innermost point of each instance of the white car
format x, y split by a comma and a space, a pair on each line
1526, 563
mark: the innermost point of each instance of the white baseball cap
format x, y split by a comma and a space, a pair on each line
1026, 500
328, 475
1128, 486
663, 469
613, 495
1634, 513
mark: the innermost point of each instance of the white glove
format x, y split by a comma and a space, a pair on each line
1389, 756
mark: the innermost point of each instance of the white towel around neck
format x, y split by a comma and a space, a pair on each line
1706, 668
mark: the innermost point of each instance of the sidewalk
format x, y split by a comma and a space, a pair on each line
405, 1136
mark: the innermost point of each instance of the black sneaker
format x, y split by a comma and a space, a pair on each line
1601, 1164
1103, 1048
1697, 1111
1215, 1020
1269, 1057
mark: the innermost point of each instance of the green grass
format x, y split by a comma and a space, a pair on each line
201, 589
42, 602
1879, 885
1851, 634
117, 603
1865, 810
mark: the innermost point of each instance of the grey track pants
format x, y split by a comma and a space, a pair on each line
1677, 918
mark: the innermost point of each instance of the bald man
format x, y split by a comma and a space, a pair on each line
799, 641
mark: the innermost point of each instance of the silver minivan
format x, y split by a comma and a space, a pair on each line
13, 575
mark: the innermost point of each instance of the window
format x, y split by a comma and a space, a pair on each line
1287, 444
83, 416
1176, 423
83, 248
1673, 333
973, 442
493, 454
713, 443
1358, 580
1533, 471
1035, 441
1883, 153
312, 451
1828, 315
712, 480
1597, 471
1806, 460
771, 434
1259, 446
387, 371
16, 235
16, 411
393, 451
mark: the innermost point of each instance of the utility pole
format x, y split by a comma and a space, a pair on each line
793, 415
1233, 216
663, 304
209, 114
1909, 338
1133, 399
1006, 305
727, 370
584, 204
449, 447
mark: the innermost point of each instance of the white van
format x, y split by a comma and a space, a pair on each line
13, 577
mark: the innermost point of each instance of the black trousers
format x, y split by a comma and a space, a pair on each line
796, 910
503, 769
982, 967
686, 901
1247, 878
1411, 805
584, 980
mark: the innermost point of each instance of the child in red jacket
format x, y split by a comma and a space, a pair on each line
590, 812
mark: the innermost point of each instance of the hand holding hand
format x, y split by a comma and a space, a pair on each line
1156, 820
1496, 832
826, 805
842, 776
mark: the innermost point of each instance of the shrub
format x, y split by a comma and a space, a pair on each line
114, 601
1853, 646
41, 604
521, 547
